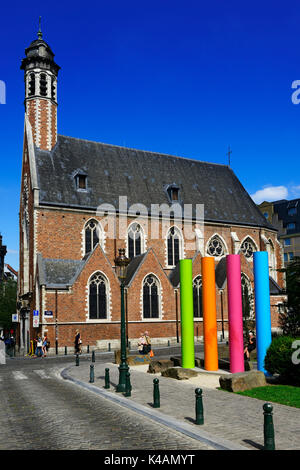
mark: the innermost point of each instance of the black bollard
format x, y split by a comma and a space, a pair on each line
156, 394
127, 386
92, 374
66, 350
199, 407
88, 349
107, 385
77, 359
269, 439
93, 356
109, 346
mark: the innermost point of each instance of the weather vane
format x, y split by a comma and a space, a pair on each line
40, 34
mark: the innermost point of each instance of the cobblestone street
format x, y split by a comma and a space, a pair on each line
40, 410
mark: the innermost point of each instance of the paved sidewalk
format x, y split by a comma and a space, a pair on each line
231, 421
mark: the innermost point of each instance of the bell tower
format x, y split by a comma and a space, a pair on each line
40, 76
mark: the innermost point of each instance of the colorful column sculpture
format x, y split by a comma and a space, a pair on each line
209, 314
187, 314
262, 307
235, 314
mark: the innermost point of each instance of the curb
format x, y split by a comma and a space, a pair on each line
187, 429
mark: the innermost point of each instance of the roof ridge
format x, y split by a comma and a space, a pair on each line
144, 151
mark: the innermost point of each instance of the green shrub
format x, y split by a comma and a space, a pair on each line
278, 360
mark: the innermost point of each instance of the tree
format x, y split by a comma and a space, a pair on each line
289, 319
8, 298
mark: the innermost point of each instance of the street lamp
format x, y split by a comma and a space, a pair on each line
121, 263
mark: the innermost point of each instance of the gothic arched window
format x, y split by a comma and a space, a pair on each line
247, 297
92, 232
151, 297
272, 260
134, 240
174, 243
248, 248
97, 297
216, 247
197, 297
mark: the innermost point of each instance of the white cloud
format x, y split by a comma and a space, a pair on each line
270, 194
295, 190
12, 252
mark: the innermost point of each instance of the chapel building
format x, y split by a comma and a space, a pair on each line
82, 201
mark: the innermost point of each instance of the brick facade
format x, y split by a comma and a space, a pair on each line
60, 235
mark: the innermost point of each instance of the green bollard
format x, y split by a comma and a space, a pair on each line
128, 387
107, 385
93, 356
77, 359
156, 394
199, 407
269, 440
92, 374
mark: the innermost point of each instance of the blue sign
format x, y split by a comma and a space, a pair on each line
35, 313
48, 313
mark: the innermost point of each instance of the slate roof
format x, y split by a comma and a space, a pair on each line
134, 266
58, 273
142, 176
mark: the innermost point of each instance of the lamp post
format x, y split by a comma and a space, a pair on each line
121, 263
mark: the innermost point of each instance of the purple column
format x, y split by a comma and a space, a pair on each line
235, 313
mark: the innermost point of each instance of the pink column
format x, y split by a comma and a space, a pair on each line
235, 313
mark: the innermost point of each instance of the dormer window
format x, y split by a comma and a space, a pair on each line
81, 182
173, 193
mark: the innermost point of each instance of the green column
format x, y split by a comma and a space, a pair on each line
187, 314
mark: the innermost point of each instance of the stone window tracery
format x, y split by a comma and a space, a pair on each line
216, 247
174, 245
92, 235
248, 248
197, 297
134, 240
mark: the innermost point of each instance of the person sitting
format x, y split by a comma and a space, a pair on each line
250, 346
147, 346
141, 343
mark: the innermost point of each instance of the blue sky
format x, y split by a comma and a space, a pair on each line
185, 78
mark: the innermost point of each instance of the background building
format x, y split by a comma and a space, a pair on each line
285, 216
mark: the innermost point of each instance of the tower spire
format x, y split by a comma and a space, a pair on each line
40, 74
40, 34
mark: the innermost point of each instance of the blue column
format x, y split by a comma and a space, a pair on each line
262, 307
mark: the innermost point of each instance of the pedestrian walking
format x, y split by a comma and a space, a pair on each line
45, 343
39, 347
250, 346
77, 342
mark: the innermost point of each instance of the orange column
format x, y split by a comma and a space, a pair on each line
209, 314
